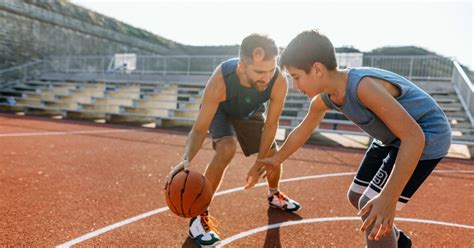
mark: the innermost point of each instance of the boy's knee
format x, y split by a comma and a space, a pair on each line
362, 201
353, 198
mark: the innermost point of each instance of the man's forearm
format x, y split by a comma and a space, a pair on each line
266, 141
193, 144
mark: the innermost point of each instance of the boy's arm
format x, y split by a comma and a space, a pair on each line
375, 97
294, 141
303, 131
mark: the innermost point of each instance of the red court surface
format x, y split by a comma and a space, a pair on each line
67, 183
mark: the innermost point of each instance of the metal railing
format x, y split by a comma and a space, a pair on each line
145, 64
24, 71
414, 67
464, 89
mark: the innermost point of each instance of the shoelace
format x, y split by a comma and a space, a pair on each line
281, 198
209, 223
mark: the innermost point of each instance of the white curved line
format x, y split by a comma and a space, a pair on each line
53, 133
330, 219
224, 192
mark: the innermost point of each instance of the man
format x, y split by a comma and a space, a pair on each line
233, 110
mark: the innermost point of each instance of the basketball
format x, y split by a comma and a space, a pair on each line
188, 194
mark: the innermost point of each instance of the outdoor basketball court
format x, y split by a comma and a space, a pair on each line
66, 183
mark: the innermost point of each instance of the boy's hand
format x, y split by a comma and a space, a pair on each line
272, 164
183, 165
381, 211
257, 171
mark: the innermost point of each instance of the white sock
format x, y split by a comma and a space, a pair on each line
272, 191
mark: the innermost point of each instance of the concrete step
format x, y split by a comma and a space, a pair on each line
155, 112
60, 104
100, 107
85, 114
113, 101
168, 104
130, 118
72, 98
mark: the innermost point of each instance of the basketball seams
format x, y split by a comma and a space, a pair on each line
169, 197
199, 195
182, 192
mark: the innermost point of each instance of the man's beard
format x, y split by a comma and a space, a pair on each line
258, 85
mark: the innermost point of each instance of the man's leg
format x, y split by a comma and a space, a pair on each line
224, 152
276, 198
273, 183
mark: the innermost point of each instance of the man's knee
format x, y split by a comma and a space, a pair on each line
353, 198
225, 149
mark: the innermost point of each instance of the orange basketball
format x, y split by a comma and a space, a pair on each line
188, 194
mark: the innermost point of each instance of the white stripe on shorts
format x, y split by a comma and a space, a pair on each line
359, 189
370, 193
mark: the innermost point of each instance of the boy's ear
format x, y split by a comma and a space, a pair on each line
319, 69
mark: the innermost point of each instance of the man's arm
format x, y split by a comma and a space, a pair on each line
214, 93
303, 131
277, 101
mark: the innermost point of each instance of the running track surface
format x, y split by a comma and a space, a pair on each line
66, 183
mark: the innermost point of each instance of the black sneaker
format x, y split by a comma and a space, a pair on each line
403, 240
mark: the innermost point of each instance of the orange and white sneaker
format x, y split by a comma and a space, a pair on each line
283, 202
203, 230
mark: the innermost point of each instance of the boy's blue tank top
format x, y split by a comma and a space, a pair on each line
241, 101
421, 107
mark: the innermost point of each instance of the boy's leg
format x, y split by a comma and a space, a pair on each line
368, 167
422, 171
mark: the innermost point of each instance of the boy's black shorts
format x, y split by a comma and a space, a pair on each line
376, 167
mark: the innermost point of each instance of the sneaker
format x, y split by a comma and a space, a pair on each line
403, 240
283, 202
203, 230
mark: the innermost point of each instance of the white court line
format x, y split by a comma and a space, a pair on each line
329, 219
163, 209
65, 133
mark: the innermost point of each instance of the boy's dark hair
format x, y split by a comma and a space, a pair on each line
253, 41
308, 48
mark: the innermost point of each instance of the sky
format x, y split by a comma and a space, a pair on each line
441, 26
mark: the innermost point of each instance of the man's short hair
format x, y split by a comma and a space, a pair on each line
308, 48
253, 41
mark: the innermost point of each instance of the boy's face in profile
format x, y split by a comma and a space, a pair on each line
305, 83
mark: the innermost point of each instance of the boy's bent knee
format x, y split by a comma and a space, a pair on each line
353, 198
362, 201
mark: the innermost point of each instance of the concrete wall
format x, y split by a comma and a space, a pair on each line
29, 31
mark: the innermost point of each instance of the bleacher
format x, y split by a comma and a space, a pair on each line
177, 105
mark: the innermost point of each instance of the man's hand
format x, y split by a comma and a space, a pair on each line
257, 171
183, 165
381, 211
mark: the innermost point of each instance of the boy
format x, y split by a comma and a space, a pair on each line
411, 133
